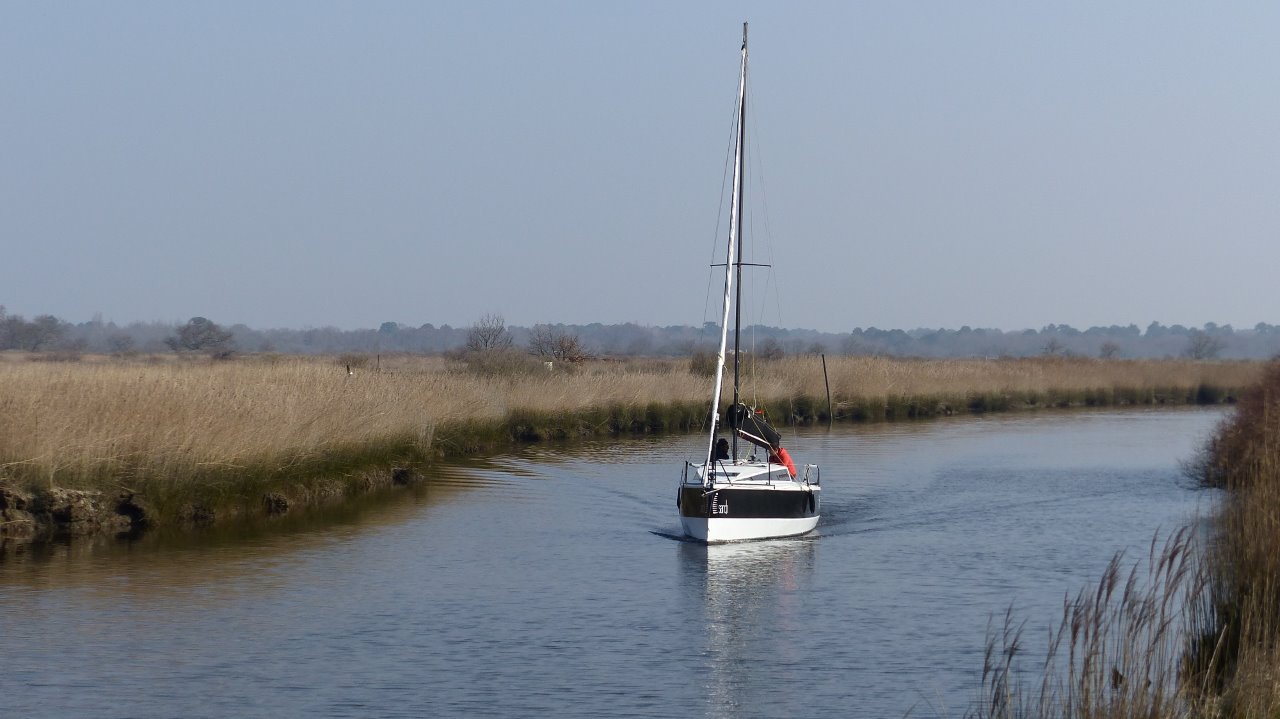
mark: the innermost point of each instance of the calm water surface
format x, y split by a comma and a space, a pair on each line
544, 584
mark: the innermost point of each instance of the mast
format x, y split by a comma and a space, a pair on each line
731, 263
742, 162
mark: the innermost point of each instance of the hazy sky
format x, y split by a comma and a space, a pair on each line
939, 164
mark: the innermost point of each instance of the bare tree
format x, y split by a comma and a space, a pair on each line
13, 331
771, 349
1202, 346
551, 342
201, 335
489, 333
120, 343
43, 331
1109, 350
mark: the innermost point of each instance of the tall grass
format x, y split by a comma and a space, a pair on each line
1197, 634
1117, 651
878, 388
227, 430
1238, 641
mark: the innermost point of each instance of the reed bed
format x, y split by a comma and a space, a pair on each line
1117, 651
1237, 647
1198, 634
878, 388
172, 429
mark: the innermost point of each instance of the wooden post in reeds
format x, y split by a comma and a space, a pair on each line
828, 385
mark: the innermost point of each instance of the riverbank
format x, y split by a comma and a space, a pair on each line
109, 444
1236, 641
1191, 630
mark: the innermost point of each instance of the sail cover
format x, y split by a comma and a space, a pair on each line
753, 427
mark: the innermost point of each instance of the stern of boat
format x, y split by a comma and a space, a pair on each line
748, 501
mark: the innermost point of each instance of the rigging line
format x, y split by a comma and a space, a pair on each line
724, 175
755, 381
747, 228
763, 202
759, 208
770, 284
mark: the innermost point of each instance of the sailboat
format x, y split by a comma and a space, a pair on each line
728, 496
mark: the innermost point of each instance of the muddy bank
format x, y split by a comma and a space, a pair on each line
50, 513
57, 514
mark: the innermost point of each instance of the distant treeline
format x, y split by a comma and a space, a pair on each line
46, 333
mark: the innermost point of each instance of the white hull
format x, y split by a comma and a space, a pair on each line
748, 500
718, 529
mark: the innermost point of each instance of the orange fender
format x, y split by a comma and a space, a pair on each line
785, 458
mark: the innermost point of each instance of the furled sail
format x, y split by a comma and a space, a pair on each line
753, 427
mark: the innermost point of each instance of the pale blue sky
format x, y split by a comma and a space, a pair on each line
924, 164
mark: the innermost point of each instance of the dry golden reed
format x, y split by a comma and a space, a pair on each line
104, 423
1237, 652
1117, 651
862, 377
1198, 634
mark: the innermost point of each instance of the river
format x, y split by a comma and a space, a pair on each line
548, 583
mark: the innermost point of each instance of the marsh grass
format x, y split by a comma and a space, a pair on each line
1197, 634
1118, 648
880, 389
1237, 640
184, 431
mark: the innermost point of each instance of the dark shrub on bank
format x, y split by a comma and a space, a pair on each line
1235, 650
506, 361
1244, 447
702, 364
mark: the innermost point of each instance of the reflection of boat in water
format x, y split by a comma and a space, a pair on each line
752, 622
736, 571
728, 496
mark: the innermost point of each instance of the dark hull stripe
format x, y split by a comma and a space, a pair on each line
734, 503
